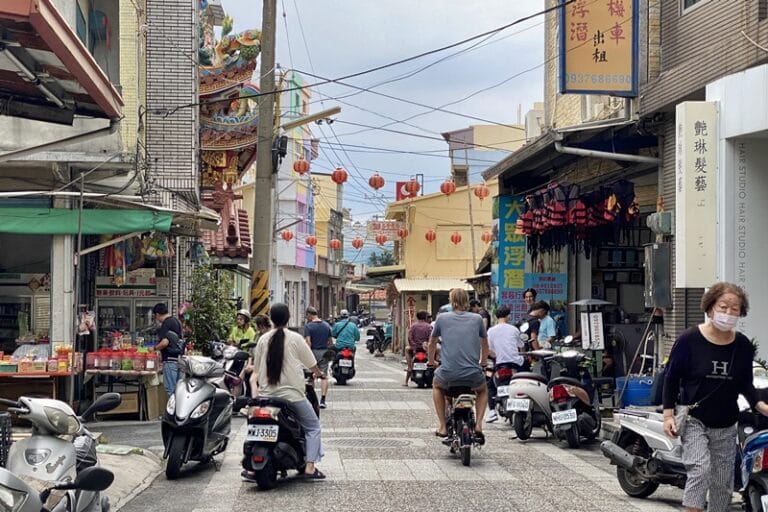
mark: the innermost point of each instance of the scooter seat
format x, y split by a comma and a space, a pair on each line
530, 376
455, 391
564, 380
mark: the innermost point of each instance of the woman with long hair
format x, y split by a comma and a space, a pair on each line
279, 358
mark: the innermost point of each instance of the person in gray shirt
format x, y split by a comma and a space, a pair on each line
464, 351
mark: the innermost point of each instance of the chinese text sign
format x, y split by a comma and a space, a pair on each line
511, 270
598, 47
695, 194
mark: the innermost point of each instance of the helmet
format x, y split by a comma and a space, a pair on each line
245, 313
344, 312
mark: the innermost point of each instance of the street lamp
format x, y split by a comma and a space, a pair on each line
300, 121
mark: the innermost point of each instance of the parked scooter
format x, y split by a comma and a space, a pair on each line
198, 416
46, 455
574, 398
374, 337
422, 374
460, 420
17, 495
344, 366
233, 359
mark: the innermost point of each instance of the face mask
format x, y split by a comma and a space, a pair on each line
724, 321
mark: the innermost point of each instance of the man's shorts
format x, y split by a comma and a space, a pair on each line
473, 380
321, 363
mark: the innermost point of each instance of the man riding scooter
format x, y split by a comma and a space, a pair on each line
418, 337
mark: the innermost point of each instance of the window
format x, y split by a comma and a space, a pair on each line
687, 4
81, 28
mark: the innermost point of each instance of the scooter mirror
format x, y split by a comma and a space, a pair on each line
524, 327
524, 337
568, 340
92, 479
104, 403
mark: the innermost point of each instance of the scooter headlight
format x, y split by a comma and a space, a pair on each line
62, 422
11, 500
201, 409
170, 407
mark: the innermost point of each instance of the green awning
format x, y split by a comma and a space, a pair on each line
60, 221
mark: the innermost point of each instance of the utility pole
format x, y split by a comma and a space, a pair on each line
261, 260
471, 219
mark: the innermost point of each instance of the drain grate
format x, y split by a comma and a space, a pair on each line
352, 442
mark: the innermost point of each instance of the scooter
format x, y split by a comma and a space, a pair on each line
344, 366
17, 495
233, 359
574, 398
525, 400
422, 374
198, 416
374, 337
46, 455
460, 420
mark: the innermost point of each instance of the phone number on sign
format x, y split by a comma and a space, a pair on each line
580, 78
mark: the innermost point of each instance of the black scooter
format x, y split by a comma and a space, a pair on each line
422, 374
344, 366
198, 416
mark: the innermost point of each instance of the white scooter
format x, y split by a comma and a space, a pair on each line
25, 495
59, 449
526, 396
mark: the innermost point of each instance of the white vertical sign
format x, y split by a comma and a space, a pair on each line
695, 193
585, 339
597, 341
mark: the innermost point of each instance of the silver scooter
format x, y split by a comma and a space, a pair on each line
198, 416
30, 495
49, 455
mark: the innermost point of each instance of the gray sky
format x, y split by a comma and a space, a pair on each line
347, 36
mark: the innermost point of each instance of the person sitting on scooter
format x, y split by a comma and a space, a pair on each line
418, 337
346, 333
242, 334
504, 345
280, 357
463, 356
263, 325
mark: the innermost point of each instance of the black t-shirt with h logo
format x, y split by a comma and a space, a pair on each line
714, 375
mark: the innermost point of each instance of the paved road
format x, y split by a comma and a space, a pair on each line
381, 454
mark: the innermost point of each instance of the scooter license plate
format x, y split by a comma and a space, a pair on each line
419, 366
345, 362
561, 417
518, 404
502, 391
263, 433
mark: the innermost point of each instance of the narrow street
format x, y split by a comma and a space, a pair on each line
380, 454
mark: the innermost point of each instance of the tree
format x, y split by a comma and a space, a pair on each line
382, 259
212, 312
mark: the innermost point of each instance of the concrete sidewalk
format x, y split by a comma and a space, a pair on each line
135, 469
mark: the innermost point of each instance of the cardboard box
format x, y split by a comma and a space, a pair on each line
129, 405
156, 400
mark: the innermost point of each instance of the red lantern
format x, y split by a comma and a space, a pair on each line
357, 243
412, 187
448, 187
301, 166
456, 238
376, 181
287, 235
311, 240
481, 191
402, 233
339, 176
430, 235
381, 239
487, 236
335, 244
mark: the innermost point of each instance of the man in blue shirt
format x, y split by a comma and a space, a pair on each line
347, 334
547, 327
317, 334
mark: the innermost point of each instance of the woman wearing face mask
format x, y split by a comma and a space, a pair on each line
709, 366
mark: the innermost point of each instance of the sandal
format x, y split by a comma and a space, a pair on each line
440, 434
317, 475
480, 438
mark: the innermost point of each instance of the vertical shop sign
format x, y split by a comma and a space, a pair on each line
696, 161
511, 271
599, 47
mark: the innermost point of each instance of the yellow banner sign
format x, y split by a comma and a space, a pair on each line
598, 47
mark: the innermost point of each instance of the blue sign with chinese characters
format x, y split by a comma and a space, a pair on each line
511, 270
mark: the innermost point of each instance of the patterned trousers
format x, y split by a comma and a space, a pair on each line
709, 455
